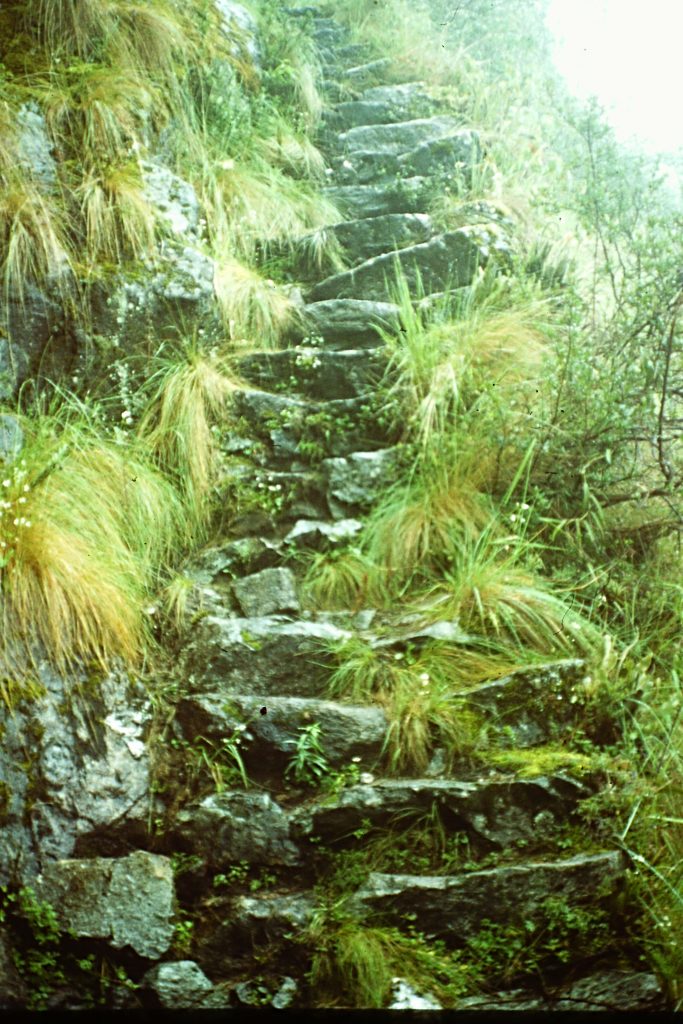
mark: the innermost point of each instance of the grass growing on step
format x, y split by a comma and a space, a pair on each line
190, 400
341, 579
86, 526
256, 311
118, 219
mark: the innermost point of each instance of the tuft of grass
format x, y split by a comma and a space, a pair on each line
190, 400
117, 217
343, 579
255, 310
86, 526
32, 239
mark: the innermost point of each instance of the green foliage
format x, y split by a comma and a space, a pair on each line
308, 764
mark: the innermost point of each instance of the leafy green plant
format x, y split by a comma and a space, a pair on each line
308, 764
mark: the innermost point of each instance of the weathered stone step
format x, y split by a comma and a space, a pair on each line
350, 323
290, 426
498, 812
315, 372
354, 483
270, 654
269, 740
411, 195
381, 105
340, 57
450, 155
446, 260
366, 73
606, 990
396, 138
453, 908
364, 238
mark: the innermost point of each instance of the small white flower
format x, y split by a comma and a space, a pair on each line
347, 165
151, 610
513, 519
355, 760
15, 522
366, 778
26, 487
22, 501
424, 678
228, 165
5, 483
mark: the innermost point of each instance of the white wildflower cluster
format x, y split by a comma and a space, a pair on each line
307, 360
14, 491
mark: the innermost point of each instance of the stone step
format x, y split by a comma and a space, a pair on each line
496, 813
269, 740
271, 655
382, 105
396, 138
448, 260
355, 483
307, 430
411, 195
335, 58
453, 908
316, 373
351, 323
605, 990
367, 237
368, 73
451, 155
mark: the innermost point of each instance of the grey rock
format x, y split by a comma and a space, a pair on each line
260, 655
346, 731
396, 138
246, 555
357, 481
614, 990
239, 25
178, 984
173, 199
351, 323
36, 338
285, 995
364, 73
34, 145
459, 151
371, 236
276, 992
499, 812
262, 409
11, 438
88, 764
229, 827
262, 919
382, 105
404, 997
532, 705
449, 259
315, 372
268, 591
454, 907
321, 536
128, 901
407, 196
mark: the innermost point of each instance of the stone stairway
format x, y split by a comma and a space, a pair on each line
252, 661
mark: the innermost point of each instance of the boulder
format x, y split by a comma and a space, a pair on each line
357, 481
127, 901
265, 592
228, 827
351, 323
453, 908
615, 990
409, 195
446, 260
178, 984
261, 919
269, 655
37, 338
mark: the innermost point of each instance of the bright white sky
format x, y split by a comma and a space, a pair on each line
629, 54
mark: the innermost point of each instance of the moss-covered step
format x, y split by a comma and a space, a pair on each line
386, 104
454, 155
363, 238
396, 138
351, 323
449, 260
406, 195
316, 373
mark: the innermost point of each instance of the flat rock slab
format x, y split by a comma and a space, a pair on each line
396, 138
454, 908
268, 591
351, 323
381, 105
316, 373
533, 705
244, 556
354, 483
229, 827
615, 990
408, 196
128, 901
447, 260
269, 655
500, 812
367, 237
317, 535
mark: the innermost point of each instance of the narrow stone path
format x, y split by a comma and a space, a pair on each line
253, 648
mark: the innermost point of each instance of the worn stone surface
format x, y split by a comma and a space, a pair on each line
239, 25
454, 907
34, 334
407, 196
396, 138
315, 372
456, 152
268, 591
260, 655
244, 556
178, 984
321, 536
355, 482
34, 145
11, 438
128, 900
446, 259
381, 105
405, 997
173, 199
371, 236
350, 323
611, 990
501, 813
260, 919
279, 992
228, 827
13, 991
77, 767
